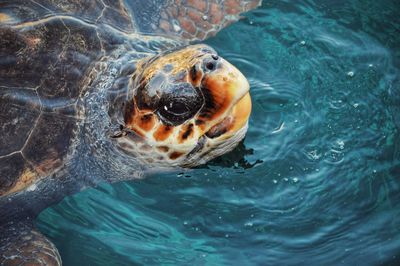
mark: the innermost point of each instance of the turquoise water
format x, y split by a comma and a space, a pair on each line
317, 179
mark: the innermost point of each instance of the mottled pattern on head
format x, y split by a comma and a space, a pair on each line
188, 106
172, 63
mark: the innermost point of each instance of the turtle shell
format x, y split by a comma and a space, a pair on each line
47, 49
93, 11
44, 68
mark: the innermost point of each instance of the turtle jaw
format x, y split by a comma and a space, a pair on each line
223, 132
231, 102
236, 119
224, 136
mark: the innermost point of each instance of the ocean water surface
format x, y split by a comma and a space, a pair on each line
317, 179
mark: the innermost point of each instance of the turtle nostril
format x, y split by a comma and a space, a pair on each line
210, 66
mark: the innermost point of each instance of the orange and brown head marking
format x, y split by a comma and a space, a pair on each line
184, 99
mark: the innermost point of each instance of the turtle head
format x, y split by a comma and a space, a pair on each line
188, 106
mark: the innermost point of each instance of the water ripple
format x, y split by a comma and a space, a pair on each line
316, 179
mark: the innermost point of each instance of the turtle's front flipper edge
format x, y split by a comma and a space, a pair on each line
22, 244
192, 20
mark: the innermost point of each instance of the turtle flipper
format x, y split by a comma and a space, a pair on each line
189, 19
22, 244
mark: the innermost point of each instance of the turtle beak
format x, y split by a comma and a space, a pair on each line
230, 93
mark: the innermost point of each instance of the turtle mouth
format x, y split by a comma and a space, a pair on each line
224, 135
220, 128
235, 120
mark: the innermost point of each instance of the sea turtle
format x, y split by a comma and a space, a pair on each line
103, 90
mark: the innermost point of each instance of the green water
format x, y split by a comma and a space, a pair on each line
317, 180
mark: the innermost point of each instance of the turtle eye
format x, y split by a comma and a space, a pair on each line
177, 107
178, 104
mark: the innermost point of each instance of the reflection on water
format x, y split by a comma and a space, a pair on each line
317, 178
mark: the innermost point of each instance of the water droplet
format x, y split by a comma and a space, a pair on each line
340, 143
